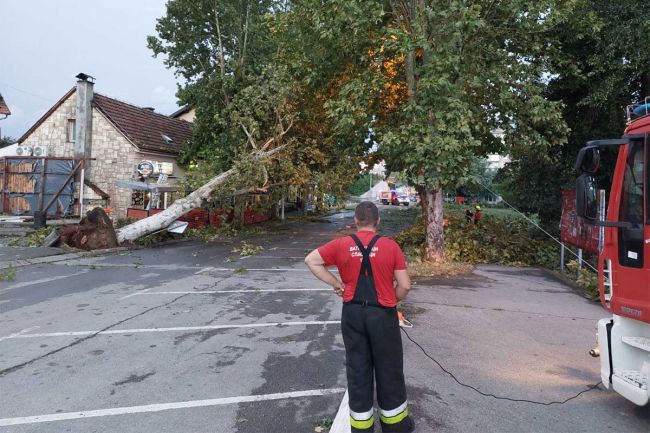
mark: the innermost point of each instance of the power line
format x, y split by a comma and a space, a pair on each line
537, 225
497, 397
26, 92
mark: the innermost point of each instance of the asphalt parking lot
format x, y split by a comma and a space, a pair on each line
193, 337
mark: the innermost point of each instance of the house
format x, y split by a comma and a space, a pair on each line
4, 110
184, 113
116, 137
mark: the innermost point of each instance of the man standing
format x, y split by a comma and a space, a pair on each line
477, 215
373, 278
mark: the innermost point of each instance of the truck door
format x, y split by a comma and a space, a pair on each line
631, 295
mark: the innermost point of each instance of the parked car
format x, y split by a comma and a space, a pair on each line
403, 200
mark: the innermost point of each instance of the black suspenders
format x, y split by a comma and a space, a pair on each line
366, 292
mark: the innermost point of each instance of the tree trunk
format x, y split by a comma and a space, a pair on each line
422, 192
435, 251
180, 207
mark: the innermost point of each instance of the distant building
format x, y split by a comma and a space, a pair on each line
4, 110
496, 161
116, 136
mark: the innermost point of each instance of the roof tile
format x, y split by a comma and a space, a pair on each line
3, 107
144, 127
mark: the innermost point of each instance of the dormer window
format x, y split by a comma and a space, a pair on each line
167, 139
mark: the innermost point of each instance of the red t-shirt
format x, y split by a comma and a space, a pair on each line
385, 257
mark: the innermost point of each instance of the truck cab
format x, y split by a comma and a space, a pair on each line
624, 255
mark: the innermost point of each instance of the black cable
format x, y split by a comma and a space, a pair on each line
492, 395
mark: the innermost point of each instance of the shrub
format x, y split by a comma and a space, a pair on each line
506, 241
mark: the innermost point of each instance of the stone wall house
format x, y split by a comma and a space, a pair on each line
121, 136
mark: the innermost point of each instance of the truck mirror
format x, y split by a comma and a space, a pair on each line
588, 160
586, 198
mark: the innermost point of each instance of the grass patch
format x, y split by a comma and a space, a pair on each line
8, 274
447, 268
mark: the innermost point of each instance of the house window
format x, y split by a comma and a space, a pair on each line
71, 130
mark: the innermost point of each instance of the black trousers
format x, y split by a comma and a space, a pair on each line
373, 347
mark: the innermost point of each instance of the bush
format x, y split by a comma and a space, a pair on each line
506, 241
588, 280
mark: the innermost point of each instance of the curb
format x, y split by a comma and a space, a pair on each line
559, 277
341, 422
77, 255
60, 257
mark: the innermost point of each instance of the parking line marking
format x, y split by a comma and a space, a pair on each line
279, 257
41, 281
341, 423
202, 270
172, 329
140, 292
210, 292
166, 406
16, 334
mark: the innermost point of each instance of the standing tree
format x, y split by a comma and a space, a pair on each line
224, 51
600, 64
6, 141
438, 77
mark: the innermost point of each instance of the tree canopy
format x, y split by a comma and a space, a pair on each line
420, 84
600, 62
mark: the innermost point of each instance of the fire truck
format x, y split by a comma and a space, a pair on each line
624, 253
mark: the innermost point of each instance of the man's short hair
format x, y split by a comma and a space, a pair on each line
367, 214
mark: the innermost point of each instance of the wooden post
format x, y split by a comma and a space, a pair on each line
282, 209
561, 257
41, 195
4, 187
579, 262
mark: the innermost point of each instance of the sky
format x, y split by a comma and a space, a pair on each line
44, 44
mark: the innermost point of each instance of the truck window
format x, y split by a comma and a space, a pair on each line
630, 243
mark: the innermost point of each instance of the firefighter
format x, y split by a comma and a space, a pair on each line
477, 214
373, 279
469, 215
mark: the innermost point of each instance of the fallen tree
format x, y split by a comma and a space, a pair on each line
194, 200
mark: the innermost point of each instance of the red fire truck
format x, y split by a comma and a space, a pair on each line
624, 257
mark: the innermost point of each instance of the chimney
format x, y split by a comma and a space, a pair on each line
84, 125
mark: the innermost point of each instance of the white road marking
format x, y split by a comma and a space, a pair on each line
341, 422
280, 257
42, 280
16, 334
180, 267
172, 329
289, 248
209, 292
166, 406
140, 292
200, 271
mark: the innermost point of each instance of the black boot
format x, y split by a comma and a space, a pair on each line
370, 429
407, 425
